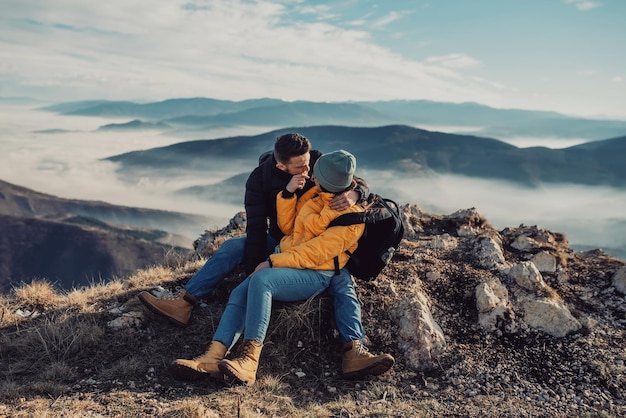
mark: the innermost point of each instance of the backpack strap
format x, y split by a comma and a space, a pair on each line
346, 219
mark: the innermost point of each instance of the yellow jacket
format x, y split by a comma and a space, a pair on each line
308, 243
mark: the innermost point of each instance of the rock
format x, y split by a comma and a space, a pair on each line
442, 242
494, 311
209, 241
489, 253
550, 316
419, 336
466, 231
526, 275
486, 300
131, 319
499, 318
619, 279
524, 243
413, 217
544, 261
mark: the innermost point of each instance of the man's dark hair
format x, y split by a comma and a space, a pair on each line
290, 145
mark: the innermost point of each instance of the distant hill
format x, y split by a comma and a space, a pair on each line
405, 150
478, 119
158, 110
133, 125
79, 241
294, 114
20, 201
74, 252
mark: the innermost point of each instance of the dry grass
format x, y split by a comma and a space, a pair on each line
63, 361
38, 295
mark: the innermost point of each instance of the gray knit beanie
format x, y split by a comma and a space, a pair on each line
334, 170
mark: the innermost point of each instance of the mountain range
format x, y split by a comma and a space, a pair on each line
76, 242
400, 149
202, 114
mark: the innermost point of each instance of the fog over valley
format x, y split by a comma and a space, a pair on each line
63, 156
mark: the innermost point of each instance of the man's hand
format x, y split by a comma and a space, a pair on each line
262, 266
297, 182
344, 200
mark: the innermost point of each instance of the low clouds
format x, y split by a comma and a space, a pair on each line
67, 163
588, 216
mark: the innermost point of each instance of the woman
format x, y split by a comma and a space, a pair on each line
301, 268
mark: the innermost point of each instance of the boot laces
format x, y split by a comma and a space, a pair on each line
202, 356
246, 350
362, 350
162, 293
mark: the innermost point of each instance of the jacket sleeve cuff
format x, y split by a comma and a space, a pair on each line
287, 194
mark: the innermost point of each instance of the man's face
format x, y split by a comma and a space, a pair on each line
296, 165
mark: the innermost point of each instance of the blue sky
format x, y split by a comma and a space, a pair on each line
562, 55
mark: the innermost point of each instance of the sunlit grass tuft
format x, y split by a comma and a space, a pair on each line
38, 295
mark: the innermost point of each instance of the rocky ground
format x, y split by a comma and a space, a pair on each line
481, 323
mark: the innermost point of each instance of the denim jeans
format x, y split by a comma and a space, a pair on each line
250, 304
230, 254
347, 307
221, 264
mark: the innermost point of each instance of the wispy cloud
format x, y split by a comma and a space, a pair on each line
583, 5
454, 61
386, 20
321, 11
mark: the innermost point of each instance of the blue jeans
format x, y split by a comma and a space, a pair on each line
250, 304
347, 307
221, 264
230, 254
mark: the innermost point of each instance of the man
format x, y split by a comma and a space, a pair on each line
288, 164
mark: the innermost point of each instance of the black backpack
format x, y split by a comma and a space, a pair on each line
384, 230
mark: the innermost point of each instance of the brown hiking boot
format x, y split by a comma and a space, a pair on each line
201, 367
358, 362
244, 368
177, 309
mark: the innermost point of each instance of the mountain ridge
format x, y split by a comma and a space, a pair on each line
482, 119
74, 252
78, 241
21, 201
408, 150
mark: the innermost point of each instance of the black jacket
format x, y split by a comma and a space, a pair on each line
262, 186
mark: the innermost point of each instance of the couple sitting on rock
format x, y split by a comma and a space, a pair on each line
290, 258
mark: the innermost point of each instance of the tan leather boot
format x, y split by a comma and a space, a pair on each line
201, 367
358, 362
177, 309
244, 368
